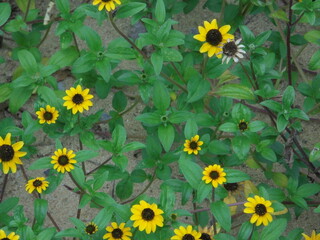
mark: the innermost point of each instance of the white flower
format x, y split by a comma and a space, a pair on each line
232, 50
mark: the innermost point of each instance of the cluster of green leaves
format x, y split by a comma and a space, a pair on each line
184, 94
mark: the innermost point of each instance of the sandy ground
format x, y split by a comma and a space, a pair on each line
63, 203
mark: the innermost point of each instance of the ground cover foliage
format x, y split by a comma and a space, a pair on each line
201, 92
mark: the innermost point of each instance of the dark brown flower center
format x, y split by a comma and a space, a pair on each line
205, 236
90, 229
77, 99
214, 37
47, 116
117, 233
5, 238
214, 175
193, 145
147, 214
260, 209
243, 126
188, 237
105, 1
6, 152
37, 183
230, 49
231, 187
63, 160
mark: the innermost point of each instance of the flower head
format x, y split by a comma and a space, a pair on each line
91, 228
77, 99
9, 154
117, 232
63, 160
206, 233
232, 50
146, 216
214, 174
213, 37
243, 125
107, 4
260, 208
11, 236
48, 115
38, 184
193, 145
313, 236
187, 233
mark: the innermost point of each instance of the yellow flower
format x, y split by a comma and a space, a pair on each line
214, 174
213, 37
9, 154
63, 160
77, 99
260, 208
38, 184
48, 115
243, 125
206, 233
107, 4
117, 232
186, 233
146, 216
313, 236
193, 145
91, 228
11, 236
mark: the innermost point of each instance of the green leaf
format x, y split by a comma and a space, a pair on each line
157, 62
48, 95
280, 179
69, 232
262, 38
246, 34
178, 117
218, 147
166, 136
104, 68
256, 126
8, 204
23, 5
160, 11
274, 230
245, 231
84, 155
119, 136
138, 176
130, 9
312, 36
64, 57
191, 128
298, 113
124, 188
197, 89
235, 176
161, 97
203, 191
104, 216
228, 127
5, 92
280, 14
119, 101
269, 154
5, 12
151, 119
282, 123
132, 146
40, 211
308, 189
63, 6
317, 210
85, 199
314, 62
221, 212
299, 201
46, 234
78, 175
42, 163
241, 146
27, 61
91, 37
171, 55
236, 91
273, 105
191, 171
121, 161
288, 97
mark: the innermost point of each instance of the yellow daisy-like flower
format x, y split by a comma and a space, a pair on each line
91, 228
206, 233
146, 216
48, 115
260, 208
213, 37
183, 233
214, 174
63, 160
313, 236
11, 236
107, 4
9, 154
38, 184
118, 232
77, 99
193, 145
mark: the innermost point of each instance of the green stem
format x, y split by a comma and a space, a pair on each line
178, 72
27, 11
248, 76
93, 170
45, 35
223, 5
75, 42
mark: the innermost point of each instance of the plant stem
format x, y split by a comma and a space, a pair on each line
93, 170
288, 44
5, 180
178, 72
45, 35
248, 76
75, 42
27, 11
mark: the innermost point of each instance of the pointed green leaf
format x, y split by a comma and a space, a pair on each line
221, 212
166, 136
236, 91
